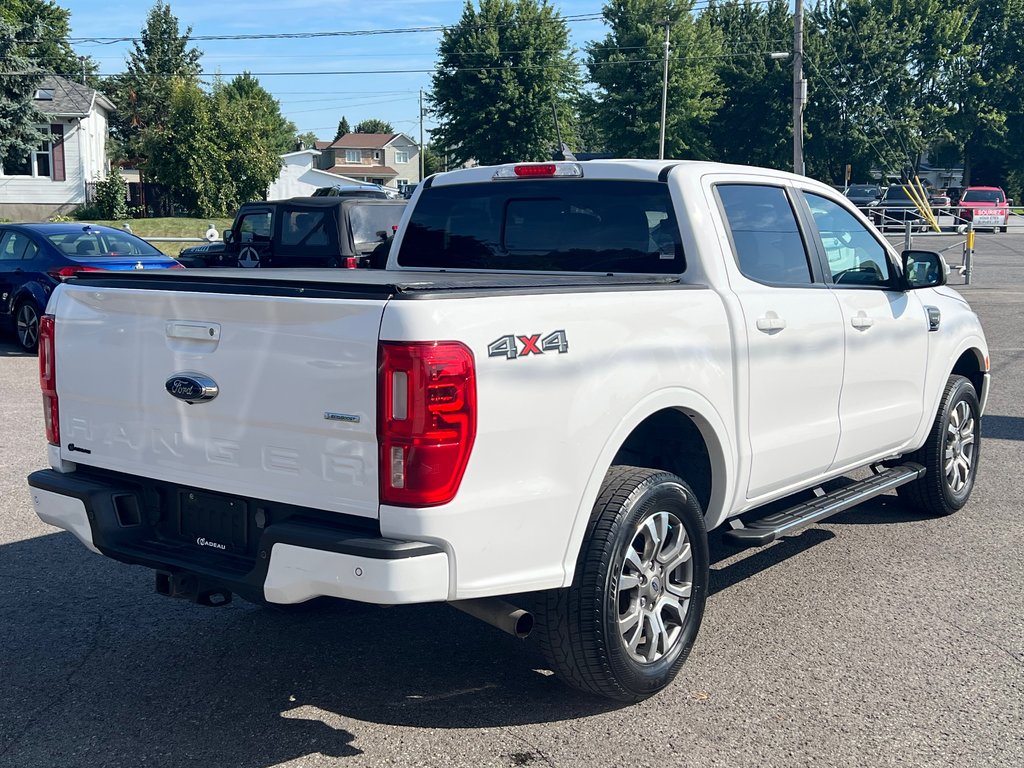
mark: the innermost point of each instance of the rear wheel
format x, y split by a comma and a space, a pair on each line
626, 625
950, 454
26, 325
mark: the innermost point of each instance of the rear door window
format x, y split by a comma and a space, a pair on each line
557, 225
765, 236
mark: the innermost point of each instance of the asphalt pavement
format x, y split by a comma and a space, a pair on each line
878, 638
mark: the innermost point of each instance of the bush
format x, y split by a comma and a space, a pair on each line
88, 212
112, 197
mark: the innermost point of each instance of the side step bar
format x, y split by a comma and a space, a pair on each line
766, 530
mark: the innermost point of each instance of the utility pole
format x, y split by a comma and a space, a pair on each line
799, 87
664, 92
421, 135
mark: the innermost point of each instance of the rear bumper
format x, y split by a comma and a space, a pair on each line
289, 561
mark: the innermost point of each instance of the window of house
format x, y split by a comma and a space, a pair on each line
765, 235
37, 163
44, 94
353, 156
401, 183
401, 156
376, 155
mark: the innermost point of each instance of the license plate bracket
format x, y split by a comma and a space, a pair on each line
214, 522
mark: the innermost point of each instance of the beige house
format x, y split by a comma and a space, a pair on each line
389, 159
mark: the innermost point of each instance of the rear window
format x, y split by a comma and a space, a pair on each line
548, 225
862, 190
983, 196
896, 193
367, 220
94, 243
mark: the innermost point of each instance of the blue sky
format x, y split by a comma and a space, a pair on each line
312, 102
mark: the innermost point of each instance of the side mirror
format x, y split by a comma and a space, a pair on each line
227, 236
923, 269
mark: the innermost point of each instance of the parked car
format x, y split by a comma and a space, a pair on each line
325, 231
894, 208
984, 207
36, 258
939, 201
358, 190
547, 398
862, 195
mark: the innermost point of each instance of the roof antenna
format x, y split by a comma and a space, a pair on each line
563, 152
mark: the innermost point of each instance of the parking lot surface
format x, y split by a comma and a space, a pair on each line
877, 638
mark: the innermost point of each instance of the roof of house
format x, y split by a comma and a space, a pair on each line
57, 96
322, 144
368, 140
363, 170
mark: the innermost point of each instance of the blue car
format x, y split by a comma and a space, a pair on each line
35, 258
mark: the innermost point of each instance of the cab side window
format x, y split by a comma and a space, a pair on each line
855, 257
765, 237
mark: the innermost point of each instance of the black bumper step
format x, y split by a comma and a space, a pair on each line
766, 530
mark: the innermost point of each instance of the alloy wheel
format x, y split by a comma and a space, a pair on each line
654, 587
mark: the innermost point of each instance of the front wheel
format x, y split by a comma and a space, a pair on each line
628, 622
950, 454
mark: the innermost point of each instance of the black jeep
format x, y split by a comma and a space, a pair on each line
302, 232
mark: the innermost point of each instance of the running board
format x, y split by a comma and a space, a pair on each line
766, 530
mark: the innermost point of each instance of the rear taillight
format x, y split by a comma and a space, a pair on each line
176, 265
426, 422
63, 273
48, 379
351, 262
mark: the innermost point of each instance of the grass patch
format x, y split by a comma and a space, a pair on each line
170, 227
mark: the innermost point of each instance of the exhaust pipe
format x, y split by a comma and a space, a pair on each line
498, 613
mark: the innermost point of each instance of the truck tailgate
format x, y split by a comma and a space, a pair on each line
293, 419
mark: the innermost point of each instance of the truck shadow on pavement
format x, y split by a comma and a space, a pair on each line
97, 669
9, 346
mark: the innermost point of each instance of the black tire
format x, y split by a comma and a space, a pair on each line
26, 325
578, 628
939, 492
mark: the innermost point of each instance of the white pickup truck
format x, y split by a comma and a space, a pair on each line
568, 375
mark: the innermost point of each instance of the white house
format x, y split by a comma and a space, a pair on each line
299, 177
52, 179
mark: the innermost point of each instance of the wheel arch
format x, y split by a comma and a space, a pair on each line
695, 438
971, 365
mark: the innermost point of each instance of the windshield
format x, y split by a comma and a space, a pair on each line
368, 220
101, 243
982, 196
862, 190
556, 225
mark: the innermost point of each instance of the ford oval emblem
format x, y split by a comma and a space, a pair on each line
192, 387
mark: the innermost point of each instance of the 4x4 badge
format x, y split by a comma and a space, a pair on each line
532, 344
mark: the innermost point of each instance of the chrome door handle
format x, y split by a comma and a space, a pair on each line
769, 324
861, 321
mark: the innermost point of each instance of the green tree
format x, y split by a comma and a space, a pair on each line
112, 197
755, 79
263, 112
159, 63
501, 68
48, 48
185, 157
309, 139
18, 116
250, 134
432, 161
626, 67
343, 128
373, 125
